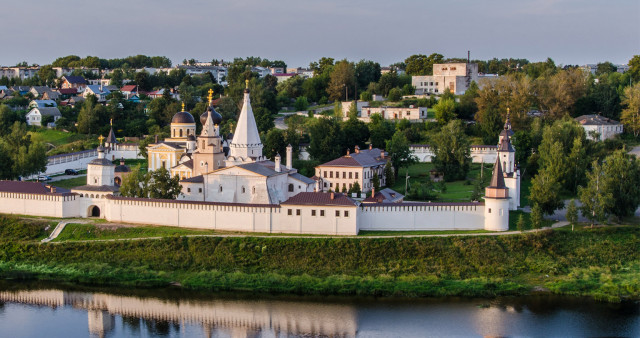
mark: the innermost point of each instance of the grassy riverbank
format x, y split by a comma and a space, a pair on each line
600, 262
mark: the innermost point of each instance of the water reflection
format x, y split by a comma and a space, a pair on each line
160, 314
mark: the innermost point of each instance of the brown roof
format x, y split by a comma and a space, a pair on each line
497, 178
30, 188
68, 91
320, 198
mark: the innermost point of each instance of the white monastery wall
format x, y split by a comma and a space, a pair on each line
38, 204
311, 220
432, 216
479, 154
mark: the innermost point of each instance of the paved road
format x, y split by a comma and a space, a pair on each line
635, 151
65, 177
279, 122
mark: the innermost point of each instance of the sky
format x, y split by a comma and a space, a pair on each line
302, 31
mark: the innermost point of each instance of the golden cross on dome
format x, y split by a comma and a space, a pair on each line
111, 122
247, 83
210, 94
101, 138
182, 106
508, 111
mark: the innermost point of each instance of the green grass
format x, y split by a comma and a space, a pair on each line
426, 232
457, 191
55, 137
71, 182
602, 262
514, 215
133, 162
78, 231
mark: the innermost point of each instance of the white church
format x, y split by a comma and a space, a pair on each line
244, 191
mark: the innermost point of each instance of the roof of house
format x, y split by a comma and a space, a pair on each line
320, 198
41, 89
302, 178
595, 120
68, 91
365, 158
30, 188
128, 88
75, 79
47, 111
102, 161
194, 179
385, 195
43, 103
262, 168
98, 89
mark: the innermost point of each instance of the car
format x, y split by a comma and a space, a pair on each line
70, 172
44, 178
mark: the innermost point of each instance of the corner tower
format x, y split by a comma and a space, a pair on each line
496, 205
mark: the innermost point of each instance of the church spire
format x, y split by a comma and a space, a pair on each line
246, 139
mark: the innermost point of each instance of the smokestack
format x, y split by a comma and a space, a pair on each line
357, 149
277, 166
373, 192
348, 151
382, 153
289, 156
333, 195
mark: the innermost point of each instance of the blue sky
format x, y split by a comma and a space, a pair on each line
301, 31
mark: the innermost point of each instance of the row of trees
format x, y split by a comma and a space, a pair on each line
20, 156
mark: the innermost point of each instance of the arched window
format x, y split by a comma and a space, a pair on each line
290, 187
180, 132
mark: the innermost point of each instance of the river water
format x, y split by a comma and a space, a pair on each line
53, 311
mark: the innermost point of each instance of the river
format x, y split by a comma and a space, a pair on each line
36, 310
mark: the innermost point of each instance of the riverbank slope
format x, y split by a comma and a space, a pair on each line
602, 262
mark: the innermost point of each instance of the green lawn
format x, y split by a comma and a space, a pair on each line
55, 137
71, 182
133, 162
457, 191
76, 232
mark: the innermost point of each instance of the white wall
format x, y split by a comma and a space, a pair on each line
479, 154
38, 204
422, 216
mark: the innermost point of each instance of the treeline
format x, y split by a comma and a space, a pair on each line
137, 61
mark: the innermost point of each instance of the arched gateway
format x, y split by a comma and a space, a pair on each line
93, 211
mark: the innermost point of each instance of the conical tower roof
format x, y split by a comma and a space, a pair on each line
497, 179
246, 134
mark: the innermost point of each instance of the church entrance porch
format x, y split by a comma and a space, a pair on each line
93, 211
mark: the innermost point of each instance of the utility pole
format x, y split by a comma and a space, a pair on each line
406, 182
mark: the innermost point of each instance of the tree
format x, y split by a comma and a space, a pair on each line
557, 94
366, 72
545, 192
521, 223
301, 103
342, 79
274, 143
142, 80
20, 155
622, 181
451, 147
326, 140
634, 68
134, 184
162, 186
376, 182
355, 132
91, 115
468, 106
395, 95
420, 64
631, 113
389, 174
355, 189
264, 119
398, 148
605, 68
47, 75
445, 110
595, 198
380, 131
572, 213
536, 216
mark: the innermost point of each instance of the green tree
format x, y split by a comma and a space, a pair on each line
634, 68
301, 103
537, 216
134, 184
389, 174
521, 225
630, 116
445, 110
572, 213
577, 164
355, 189
162, 186
468, 106
622, 173
264, 119
90, 115
395, 95
398, 148
596, 199
376, 182
47, 75
380, 130
366, 72
25, 157
274, 143
355, 132
606, 68
326, 140
451, 147
342, 81
420, 64
545, 192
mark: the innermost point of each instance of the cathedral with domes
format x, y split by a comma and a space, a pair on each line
239, 174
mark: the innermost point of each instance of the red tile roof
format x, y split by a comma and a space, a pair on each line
128, 88
320, 198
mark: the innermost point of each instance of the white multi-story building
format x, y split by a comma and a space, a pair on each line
455, 76
598, 127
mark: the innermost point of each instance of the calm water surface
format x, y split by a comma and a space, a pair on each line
52, 311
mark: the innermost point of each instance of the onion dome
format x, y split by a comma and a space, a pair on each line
191, 137
183, 117
216, 118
